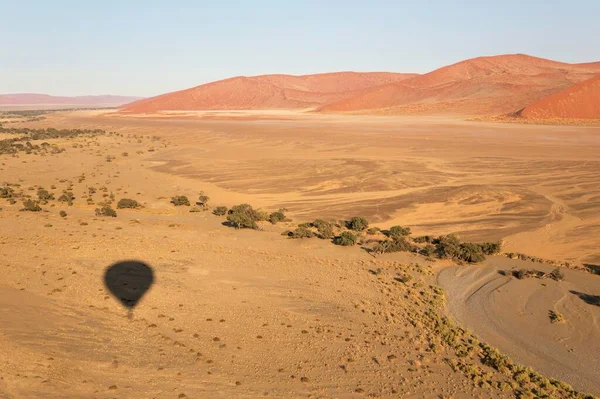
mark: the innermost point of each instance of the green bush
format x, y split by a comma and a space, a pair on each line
278, 216
301, 232
106, 210
31, 206
220, 211
357, 224
427, 250
324, 229
68, 197
470, 252
126, 203
180, 200
397, 231
44, 196
345, 239
373, 230
245, 217
447, 246
423, 239
203, 198
6, 192
395, 244
491, 248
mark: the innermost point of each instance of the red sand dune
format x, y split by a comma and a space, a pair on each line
581, 101
266, 92
498, 84
45, 99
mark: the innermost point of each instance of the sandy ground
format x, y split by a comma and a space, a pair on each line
537, 187
513, 315
246, 313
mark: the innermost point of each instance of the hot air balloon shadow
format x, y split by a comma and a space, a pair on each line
128, 281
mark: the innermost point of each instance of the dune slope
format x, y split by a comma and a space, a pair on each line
581, 101
477, 86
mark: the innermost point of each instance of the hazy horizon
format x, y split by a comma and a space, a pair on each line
148, 48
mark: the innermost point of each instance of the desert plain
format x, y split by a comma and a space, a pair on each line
244, 313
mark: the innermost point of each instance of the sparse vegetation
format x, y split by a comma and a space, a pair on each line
106, 210
126, 203
245, 217
346, 238
68, 197
278, 216
556, 317
180, 200
31, 206
300, 232
220, 211
357, 224
521, 274
44, 196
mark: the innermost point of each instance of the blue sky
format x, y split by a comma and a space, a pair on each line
145, 48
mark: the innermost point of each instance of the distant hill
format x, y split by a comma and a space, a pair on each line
267, 92
45, 99
492, 85
484, 85
580, 101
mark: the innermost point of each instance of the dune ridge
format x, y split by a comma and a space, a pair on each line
266, 92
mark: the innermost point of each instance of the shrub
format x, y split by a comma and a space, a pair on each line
195, 209
44, 195
520, 274
491, 248
396, 231
396, 244
63, 214
556, 317
470, 252
106, 210
301, 232
220, 211
557, 275
6, 192
180, 200
427, 250
345, 239
357, 224
447, 246
373, 230
324, 229
203, 198
278, 216
68, 197
423, 239
245, 217
126, 203
31, 206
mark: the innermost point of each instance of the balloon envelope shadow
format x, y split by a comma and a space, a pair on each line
128, 281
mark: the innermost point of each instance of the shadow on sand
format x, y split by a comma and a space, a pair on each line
587, 298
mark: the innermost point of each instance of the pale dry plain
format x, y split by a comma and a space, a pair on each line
252, 314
